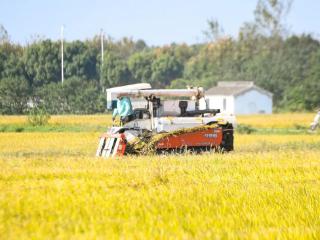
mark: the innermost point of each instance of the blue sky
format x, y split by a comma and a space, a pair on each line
157, 22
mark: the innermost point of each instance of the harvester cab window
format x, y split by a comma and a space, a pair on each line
113, 104
141, 113
224, 104
183, 105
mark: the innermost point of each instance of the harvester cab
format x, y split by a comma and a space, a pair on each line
172, 120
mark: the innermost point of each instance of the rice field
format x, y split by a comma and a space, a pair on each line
103, 119
286, 120
52, 187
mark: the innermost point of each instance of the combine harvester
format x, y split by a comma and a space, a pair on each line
167, 125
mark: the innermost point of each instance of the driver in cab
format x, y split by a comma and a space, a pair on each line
123, 109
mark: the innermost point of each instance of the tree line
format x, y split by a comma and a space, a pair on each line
264, 52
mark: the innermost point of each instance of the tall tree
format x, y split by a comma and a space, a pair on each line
14, 94
10, 60
11, 64
270, 16
215, 31
140, 65
81, 60
4, 36
42, 62
165, 69
115, 71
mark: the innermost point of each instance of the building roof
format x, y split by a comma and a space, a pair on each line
235, 88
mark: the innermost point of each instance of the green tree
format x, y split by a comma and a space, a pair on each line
115, 71
4, 36
215, 30
303, 93
180, 83
42, 62
125, 47
183, 52
216, 61
81, 61
83, 97
270, 16
52, 97
311, 91
11, 61
165, 69
74, 96
14, 95
140, 66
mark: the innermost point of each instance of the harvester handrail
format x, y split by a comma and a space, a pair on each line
194, 92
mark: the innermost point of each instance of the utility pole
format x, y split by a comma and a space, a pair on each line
62, 71
102, 57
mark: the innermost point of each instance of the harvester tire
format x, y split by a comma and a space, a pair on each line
227, 138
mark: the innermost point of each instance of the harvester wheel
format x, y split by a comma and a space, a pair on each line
227, 138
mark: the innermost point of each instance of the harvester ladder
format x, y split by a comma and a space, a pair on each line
109, 146
100, 146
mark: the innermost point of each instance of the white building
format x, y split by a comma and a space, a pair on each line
239, 97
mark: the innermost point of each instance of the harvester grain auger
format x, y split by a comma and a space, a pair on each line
168, 125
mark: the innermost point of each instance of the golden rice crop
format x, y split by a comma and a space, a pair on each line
52, 187
247, 140
103, 119
12, 119
85, 143
210, 196
284, 120
49, 143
